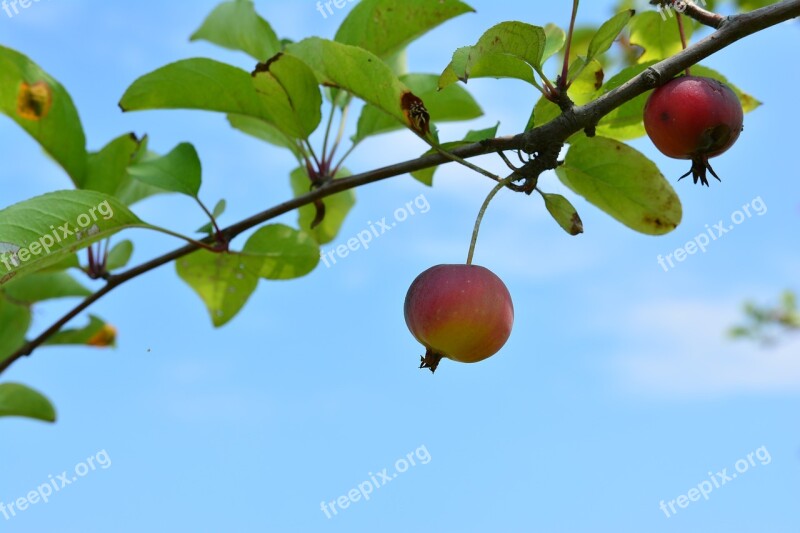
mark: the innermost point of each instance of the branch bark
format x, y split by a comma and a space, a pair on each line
730, 30
692, 10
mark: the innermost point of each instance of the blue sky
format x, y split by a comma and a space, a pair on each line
616, 390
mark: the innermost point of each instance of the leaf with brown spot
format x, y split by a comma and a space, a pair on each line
43, 108
623, 183
34, 101
564, 213
416, 113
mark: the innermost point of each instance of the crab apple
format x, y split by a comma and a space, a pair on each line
462, 312
695, 118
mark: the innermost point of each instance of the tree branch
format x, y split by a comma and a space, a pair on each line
692, 10
731, 29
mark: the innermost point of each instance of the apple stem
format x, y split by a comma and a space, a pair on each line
430, 360
482, 212
683, 38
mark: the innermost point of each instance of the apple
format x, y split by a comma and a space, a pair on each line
461, 312
695, 118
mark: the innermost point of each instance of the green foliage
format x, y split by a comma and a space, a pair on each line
19, 400
766, 324
453, 103
16, 319
385, 27
120, 255
336, 208
564, 213
355, 70
236, 25
225, 281
659, 38
43, 230
623, 183
91, 334
108, 170
42, 286
178, 171
607, 34
45, 110
507, 50
281, 103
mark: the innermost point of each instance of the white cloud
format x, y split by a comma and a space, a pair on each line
680, 348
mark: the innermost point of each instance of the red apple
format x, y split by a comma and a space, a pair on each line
694, 118
462, 312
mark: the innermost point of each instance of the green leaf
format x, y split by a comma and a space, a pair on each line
659, 38
518, 39
42, 231
384, 27
19, 400
507, 50
356, 71
291, 89
219, 209
120, 255
41, 286
623, 183
425, 175
451, 104
564, 213
96, 333
217, 212
608, 33
178, 171
236, 26
213, 86
108, 170
581, 38
43, 108
15, 319
224, 281
461, 68
555, 38
196, 84
337, 207
265, 131
65, 263
286, 253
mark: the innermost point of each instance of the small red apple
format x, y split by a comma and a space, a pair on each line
462, 312
694, 118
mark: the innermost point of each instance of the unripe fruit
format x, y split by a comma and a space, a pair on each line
462, 312
694, 118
